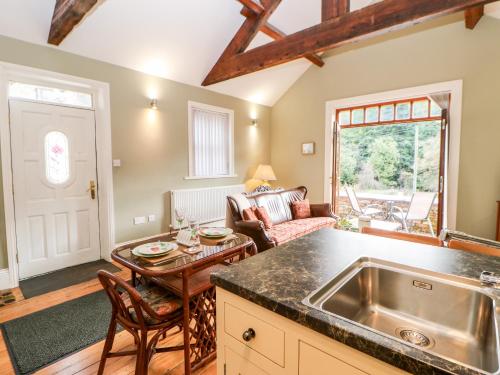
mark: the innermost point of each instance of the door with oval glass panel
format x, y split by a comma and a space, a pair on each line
54, 182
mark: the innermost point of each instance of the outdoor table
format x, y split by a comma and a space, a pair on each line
188, 276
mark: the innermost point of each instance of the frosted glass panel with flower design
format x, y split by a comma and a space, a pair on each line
56, 157
50, 95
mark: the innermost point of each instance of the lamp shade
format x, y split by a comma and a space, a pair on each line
264, 173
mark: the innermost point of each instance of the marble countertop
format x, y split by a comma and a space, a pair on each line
280, 278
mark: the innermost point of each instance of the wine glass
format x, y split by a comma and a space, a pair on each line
179, 217
194, 227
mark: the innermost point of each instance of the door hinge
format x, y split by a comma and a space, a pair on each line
441, 184
17, 257
224, 369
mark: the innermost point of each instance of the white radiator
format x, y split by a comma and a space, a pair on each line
203, 205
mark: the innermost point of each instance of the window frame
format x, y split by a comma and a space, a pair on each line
207, 107
394, 104
49, 85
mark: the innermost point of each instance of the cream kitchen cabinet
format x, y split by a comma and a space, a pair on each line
252, 340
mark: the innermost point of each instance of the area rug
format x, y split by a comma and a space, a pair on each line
39, 339
63, 278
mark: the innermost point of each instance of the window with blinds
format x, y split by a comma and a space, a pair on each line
210, 141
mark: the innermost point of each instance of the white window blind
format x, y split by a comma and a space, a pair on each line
211, 141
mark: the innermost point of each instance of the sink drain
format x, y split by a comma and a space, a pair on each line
414, 337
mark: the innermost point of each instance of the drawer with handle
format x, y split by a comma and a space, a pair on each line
255, 333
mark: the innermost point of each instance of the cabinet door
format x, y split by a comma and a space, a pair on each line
317, 362
237, 365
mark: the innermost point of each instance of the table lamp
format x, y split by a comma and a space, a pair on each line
264, 173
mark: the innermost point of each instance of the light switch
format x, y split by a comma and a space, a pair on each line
151, 218
117, 163
139, 220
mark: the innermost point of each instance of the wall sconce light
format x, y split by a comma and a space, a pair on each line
255, 123
154, 104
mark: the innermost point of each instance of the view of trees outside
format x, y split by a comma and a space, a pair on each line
391, 159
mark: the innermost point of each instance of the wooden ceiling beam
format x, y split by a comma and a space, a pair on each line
246, 33
373, 20
274, 32
334, 8
67, 14
473, 15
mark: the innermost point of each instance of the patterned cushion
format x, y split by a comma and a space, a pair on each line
160, 300
263, 216
297, 228
301, 209
249, 214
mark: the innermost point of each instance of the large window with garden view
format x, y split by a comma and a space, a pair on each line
386, 152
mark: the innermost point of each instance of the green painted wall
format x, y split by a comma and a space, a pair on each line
154, 152
436, 52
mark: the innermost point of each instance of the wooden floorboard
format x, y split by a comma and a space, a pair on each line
86, 361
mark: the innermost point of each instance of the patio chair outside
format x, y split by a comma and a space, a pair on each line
370, 210
419, 210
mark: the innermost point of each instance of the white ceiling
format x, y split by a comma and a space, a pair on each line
178, 40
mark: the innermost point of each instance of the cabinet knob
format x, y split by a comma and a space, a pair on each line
248, 334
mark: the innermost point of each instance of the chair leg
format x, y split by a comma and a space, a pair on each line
108, 345
431, 228
141, 365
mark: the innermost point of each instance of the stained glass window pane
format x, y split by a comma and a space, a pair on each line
403, 111
358, 116
372, 114
56, 157
435, 109
50, 95
420, 109
387, 112
344, 117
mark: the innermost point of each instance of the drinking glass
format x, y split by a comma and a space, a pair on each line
179, 217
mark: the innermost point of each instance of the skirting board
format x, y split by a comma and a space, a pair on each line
4, 279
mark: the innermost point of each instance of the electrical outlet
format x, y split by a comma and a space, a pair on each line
151, 218
139, 220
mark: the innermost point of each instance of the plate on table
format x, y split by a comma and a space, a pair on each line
154, 249
215, 232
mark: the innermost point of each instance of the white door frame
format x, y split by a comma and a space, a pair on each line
101, 101
455, 88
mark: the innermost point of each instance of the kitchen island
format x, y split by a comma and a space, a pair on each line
270, 289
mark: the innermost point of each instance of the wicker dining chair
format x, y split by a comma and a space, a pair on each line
139, 311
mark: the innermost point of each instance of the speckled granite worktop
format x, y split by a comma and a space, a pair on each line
279, 279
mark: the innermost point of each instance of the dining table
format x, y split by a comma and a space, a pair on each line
186, 273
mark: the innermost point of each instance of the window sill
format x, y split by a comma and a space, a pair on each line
209, 177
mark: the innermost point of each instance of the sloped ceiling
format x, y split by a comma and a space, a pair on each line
178, 40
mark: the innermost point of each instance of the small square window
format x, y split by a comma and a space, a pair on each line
387, 112
358, 116
371, 115
403, 111
435, 110
420, 109
344, 117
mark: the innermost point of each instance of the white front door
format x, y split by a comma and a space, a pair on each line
53, 166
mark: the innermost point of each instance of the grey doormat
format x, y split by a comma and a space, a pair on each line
63, 278
39, 339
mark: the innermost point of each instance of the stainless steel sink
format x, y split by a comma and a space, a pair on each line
451, 317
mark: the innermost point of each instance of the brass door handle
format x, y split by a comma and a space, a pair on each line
92, 189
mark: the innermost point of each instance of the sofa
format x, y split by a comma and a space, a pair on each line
278, 206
